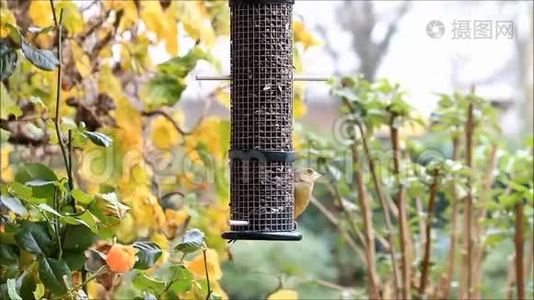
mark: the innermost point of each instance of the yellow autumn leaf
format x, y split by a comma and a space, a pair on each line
6, 16
162, 23
299, 107
145, 208
40, 13
196, 266
298, 142
128, 118
284, 294
129, 12
135, 56
164, 135
196, 22
197, 293
176, 217
7, 172
217, 213
303, 35
81, 60
126, 231
153, 17
219, 12
163, 243
208, 135
223, 97
170, 35
72, 19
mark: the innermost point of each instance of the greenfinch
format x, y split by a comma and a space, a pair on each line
304, 181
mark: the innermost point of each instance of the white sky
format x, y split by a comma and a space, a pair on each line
422, 65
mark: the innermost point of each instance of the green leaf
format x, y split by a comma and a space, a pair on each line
35, 238
4, 135
162, 90
99, 138
509, 200
12, 289
110, 202
53, 273
14, 34
47, 208
182, 279
145, 283
8, 254
148, 253
192, 241
167, 86
89, 220
40, 182
36, 173
27, 285
32, 171
77, 238
14, 205
74, 259
41, 58
181, 66
20, 191
81, 197
8, 60
39, 291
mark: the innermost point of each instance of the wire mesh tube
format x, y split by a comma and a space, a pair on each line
261, 117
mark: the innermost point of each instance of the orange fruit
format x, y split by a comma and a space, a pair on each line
121, 258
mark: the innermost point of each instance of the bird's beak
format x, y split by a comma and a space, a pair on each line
317, 175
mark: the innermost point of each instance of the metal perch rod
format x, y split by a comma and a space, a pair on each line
295, 78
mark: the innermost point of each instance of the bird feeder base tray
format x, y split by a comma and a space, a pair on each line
262, 235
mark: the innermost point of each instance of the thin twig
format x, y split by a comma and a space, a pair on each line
335, 221
510, 279
428, 234
445, 285
353, 228
404, 235
166, 116
56, 222
519, 240
365, 209
58, 25
330, 285
69, 171
469, 130
384, 203
207, 273
479, 252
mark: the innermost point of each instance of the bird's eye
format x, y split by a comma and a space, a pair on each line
309, 171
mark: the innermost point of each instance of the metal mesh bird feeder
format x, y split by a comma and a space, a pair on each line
261, 155
261, 150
